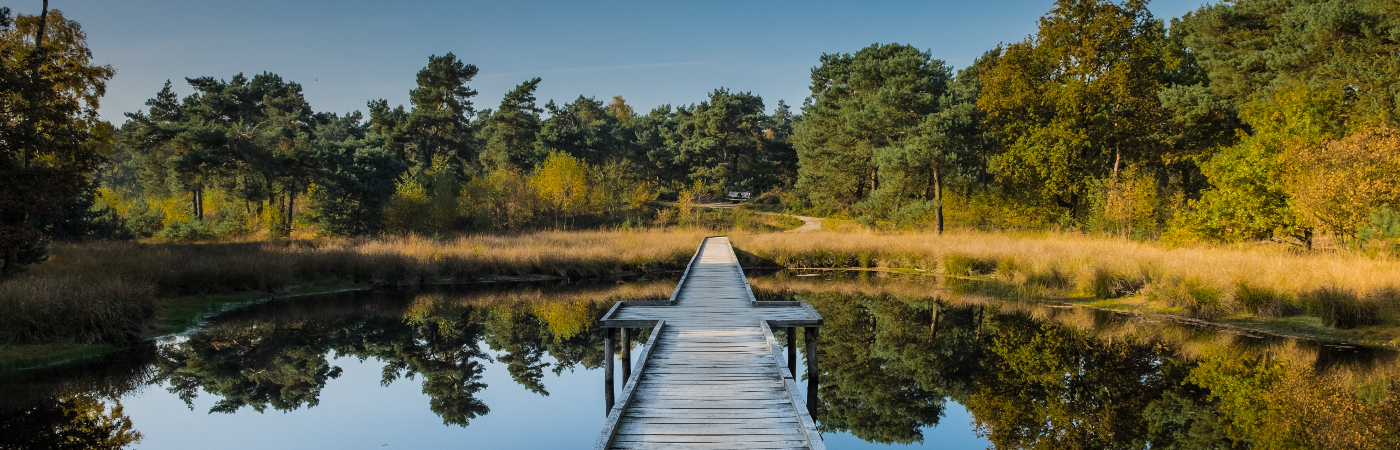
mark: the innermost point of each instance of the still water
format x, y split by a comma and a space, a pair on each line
906, 362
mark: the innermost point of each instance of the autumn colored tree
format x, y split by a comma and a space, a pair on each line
565, 183
1078, 101
50, 138
1340, 183
1249, 196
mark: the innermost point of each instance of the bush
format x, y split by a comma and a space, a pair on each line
1342, 308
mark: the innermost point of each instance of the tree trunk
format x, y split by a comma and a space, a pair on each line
938, 200
291, 204
39, 38
1117, 157
199, 203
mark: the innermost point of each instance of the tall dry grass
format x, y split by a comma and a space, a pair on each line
67, 309
103, 292
1205, 282
208, 268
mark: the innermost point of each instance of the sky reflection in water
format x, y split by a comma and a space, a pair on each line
468, 366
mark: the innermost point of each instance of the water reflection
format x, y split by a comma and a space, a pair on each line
281, 356
900, 356
894, 349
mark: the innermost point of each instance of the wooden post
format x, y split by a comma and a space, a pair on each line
626, 355
812, 383
608, 370
792, 351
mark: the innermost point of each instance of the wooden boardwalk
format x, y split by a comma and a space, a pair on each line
711, 376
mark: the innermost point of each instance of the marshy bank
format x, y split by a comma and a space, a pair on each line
1255, 286
93, 294
118, 292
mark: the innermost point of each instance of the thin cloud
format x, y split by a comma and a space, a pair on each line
593, 69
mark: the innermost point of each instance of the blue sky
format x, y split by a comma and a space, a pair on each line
651, 53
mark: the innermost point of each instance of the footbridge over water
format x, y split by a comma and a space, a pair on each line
711, 376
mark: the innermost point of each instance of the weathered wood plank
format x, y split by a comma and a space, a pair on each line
710, 379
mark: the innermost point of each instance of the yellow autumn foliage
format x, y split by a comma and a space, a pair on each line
1339, 183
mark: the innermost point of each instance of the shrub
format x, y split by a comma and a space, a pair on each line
1342, 308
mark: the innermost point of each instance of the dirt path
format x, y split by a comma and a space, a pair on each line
808, 224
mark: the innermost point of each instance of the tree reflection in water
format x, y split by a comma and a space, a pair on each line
894, 349
279, 355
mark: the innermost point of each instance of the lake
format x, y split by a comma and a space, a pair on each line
907, 361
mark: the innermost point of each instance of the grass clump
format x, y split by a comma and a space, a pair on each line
1265, 302
1106, 284
958, 264
1342, 308
42, 310
1195, 298
1051, 278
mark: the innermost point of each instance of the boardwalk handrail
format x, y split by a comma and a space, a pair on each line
605, 438
809, 426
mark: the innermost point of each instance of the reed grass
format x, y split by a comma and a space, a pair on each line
270, 266
67, 309
1202, 281
105, 292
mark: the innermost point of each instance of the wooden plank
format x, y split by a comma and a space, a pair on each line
710, 378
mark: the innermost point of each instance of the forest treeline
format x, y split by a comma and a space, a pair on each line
1249, 120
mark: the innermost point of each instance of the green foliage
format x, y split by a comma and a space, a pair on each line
1384, 226
355, 184
728, 143
1078, 100
52, 140
855, 135
510, 131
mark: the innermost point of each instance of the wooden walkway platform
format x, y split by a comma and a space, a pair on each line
711, 376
